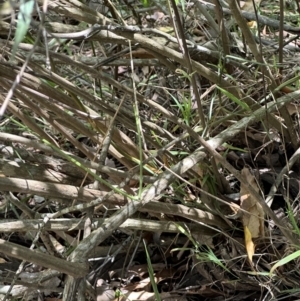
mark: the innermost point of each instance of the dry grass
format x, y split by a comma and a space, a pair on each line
122, 134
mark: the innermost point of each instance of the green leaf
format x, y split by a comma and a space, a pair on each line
151, 274
285, 260
235, 99
24, 19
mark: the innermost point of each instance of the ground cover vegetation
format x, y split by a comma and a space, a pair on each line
149, 150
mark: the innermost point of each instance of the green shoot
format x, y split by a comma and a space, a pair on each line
151, 274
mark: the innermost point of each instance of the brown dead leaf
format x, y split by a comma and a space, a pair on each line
156, 16
143, 296
140, 53
104, 292
292, 108
248, 5
203, 239
252, 211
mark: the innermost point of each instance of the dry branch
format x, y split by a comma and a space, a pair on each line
64, 224
77, 269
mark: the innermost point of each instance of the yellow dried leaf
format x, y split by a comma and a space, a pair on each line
252, 24
252, 211
249, 243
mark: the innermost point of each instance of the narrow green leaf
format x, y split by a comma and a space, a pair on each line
234, 99
284, 261
24, 19
151, 274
